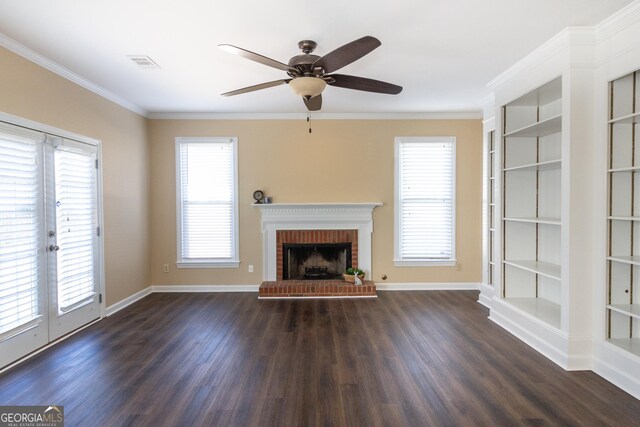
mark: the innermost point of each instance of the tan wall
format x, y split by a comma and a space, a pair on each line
278, 156
32, 92
341, 161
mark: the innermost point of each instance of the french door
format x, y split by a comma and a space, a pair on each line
49, 253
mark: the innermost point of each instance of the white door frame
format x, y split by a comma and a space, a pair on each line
51, 130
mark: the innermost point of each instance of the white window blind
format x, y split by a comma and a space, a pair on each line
207, 205
20, 231
76, 224
425, 200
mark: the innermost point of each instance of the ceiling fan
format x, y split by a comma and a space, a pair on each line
309, 74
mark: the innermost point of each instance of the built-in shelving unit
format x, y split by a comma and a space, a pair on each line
492, 206
531, 203
623, 252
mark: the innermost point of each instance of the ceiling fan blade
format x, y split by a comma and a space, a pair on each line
346, 54
257, 87
254, 57
362, 83
313, 104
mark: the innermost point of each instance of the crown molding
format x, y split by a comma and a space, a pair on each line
464, 115
570, 36
617, 22
58, 69
488, 107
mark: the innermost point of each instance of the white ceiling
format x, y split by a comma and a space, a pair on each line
443, 52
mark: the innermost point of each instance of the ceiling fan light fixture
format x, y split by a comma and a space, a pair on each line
307, 86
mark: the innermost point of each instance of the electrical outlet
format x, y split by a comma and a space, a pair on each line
165, 268
458, 266
250, 268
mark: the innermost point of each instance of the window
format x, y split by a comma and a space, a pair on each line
20, 231
207, 187
425, 201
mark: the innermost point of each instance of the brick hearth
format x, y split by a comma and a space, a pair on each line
316, 288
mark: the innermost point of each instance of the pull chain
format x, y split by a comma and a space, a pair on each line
309, 120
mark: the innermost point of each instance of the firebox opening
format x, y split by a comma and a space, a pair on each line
315, 261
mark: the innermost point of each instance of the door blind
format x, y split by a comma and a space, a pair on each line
426, 200
20, 231
207, 197
76, 225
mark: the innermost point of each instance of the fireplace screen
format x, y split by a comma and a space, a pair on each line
315, 261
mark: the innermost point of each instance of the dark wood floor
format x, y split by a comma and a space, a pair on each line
404, 359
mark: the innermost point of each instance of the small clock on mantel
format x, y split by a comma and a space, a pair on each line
258, 196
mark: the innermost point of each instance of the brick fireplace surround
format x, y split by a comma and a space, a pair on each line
316, 223
315, 236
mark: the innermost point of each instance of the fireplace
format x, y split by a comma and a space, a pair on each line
299, 251
315, 261
315, 223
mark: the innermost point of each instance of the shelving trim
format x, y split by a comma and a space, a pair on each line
624, 218
545, 94
632, 345
543, 268
539, 220
625, 169
632, 310
538, 129
542, 309
548, 165
629, 119
635, 259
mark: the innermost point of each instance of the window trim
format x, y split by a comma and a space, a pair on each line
234, 260
398, 261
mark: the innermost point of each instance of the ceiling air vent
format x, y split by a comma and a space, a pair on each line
143, 61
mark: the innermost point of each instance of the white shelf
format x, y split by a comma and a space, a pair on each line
631, 118
549, 165
625, 169
624, 218
539, 220
632, 345
545, 94
539, 129
540, 308
635, 260
632, 310
542, 268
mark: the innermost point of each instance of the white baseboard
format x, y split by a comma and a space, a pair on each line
533, 341
323, 297
114, 308
51, 344
486, 295
205, 288
254, 288
462, 286
621, 367
569, 354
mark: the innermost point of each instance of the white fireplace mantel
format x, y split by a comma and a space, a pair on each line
316, 216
